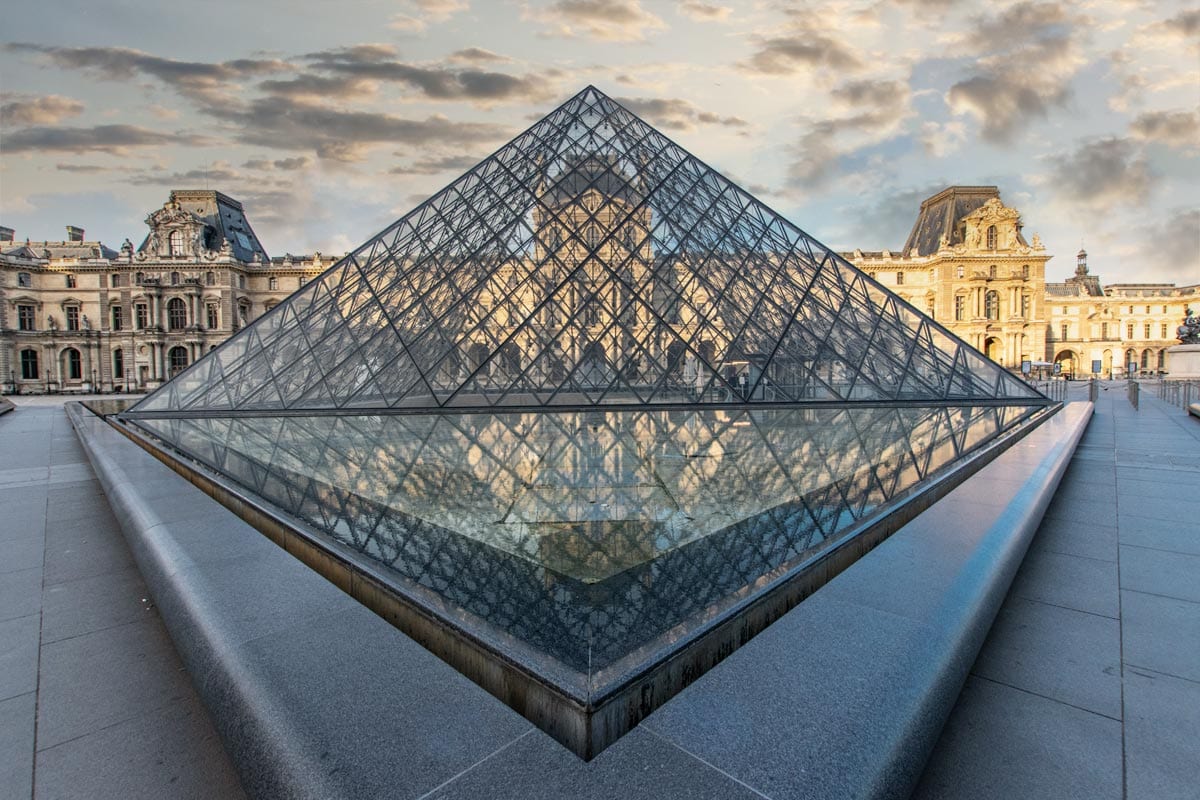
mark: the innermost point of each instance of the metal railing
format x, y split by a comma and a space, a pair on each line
1055, 390
1179, 393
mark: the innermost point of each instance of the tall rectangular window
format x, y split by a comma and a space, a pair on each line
1064, 330
899, 278
1129, 330
114, 280
213, 319
141, 315
1146, 330
71, 283
273, 283
118, 318
960, 307
1164, 331
72, 318
1103, 330
25, 318
25, 280
1024, 305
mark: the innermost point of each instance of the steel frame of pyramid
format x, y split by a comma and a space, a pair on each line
590, 261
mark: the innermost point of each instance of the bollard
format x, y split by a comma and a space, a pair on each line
1131, 391
1093, 390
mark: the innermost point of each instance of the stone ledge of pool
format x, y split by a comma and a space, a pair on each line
844, 696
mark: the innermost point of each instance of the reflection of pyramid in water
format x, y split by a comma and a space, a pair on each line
588, 261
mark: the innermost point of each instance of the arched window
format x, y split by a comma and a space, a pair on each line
29, 365
991, 237
175, 243
1130, 359
118, 364
176, 314
72, 364
992, 305
1145, 359
177, 358
273, 283
592, 235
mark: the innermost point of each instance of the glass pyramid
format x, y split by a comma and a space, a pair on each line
590, 261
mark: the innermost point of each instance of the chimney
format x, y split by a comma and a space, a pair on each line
74, 234
7, 234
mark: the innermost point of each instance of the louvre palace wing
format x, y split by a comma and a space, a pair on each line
590, 261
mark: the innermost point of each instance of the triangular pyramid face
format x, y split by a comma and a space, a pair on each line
590, 261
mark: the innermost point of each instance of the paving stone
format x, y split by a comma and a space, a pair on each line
91, 604
1175, 511
1162, 736
83, 548
535, 767
1159, 535
16, 745
1161, 633
1161, 572
170, 752
20, 593
1004, 743
19, 655
98, 679
1060, 653
22, 554
1070, 538
1084, 584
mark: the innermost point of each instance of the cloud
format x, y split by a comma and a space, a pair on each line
1176, 245
871, 111
1029, 59
191, 78
676, 113
312, 87
887, 222
1102, 174
1183, 28
83, 169
426, 12
284, 164
219, 172
435, 82
477, 55
606, 20
45, 110
279, 122
940, 139
434, 165
1175, 128
704, 12
805, 48
115, 139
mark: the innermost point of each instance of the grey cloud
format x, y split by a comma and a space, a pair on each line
805, 49
886, 223
435, 82
101, 138
218, 174
477, 55
284, 164
435, 165
44, 110
1022, 20
878, 94
1015, 87
1176, 244
340, 135
704, 12
82, 169
1185, 24
1176, 128
1103, 173
316, 86
610, 20
191, 78
676, 113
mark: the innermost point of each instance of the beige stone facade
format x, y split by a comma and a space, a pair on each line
78, 316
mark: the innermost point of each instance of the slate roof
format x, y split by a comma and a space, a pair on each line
940, 215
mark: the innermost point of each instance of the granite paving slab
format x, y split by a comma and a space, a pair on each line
1162, 736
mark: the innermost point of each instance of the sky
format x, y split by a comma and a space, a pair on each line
329, 120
